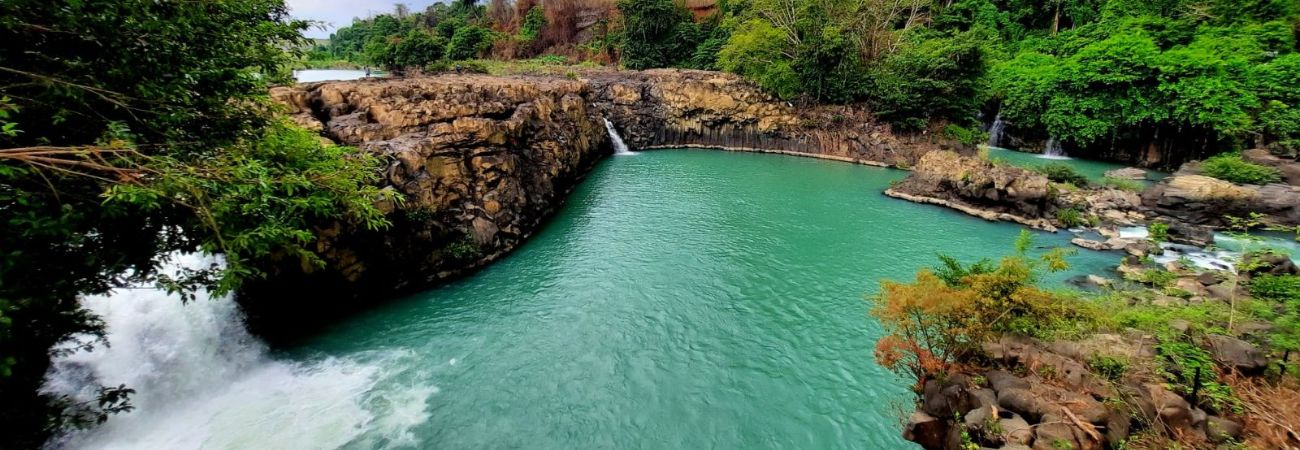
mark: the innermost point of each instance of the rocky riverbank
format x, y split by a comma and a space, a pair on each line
1002, 192
482, 161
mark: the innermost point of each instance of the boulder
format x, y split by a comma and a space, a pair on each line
928, 431
1155, 402
1001, 380
948, 398
1022, 402
1236, 354
1260, 263
1127, 173
1200, 199
1220, 430
1015, 430
1056, 432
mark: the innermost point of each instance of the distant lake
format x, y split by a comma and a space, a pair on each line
307, 76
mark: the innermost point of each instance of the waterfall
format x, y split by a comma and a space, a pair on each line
620, 148
202, 381
1053, 150
995, 131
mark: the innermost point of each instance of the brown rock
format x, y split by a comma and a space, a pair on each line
1236, 354
928, 431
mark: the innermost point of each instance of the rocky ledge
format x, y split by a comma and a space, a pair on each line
481, 161
1001, 192
1195, 198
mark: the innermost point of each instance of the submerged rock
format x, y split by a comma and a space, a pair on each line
1127, 173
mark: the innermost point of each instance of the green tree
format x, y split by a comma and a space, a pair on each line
139, 128
656, 33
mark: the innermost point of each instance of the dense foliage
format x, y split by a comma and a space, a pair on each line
1167, 81
946, 313
1232, 167
141, 129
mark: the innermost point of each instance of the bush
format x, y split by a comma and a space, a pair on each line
1123, 184
1276, 288
965, 136
657, 33
943, 315
1070, 217
1062, 173
1231, 167
1158, 232
469, 42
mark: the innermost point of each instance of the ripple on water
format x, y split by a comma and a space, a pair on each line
681, 299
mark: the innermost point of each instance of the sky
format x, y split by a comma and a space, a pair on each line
339, 13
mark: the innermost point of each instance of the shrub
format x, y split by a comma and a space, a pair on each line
964, 135
1276, 288
1062, 173
1070, 217
468, 42
943, 315
1123, 184
1108, 367
1158, 232
1231, 167
1182, 363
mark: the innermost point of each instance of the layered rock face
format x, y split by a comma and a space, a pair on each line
481, 161
685, 108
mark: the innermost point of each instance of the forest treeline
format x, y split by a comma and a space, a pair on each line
1161, 80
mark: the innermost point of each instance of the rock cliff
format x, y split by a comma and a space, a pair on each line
482, 161
686, 108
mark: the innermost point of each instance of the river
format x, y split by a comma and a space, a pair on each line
681, 299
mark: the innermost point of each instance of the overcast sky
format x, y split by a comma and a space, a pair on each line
339, 13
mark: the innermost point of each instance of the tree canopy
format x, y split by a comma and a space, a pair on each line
137, 130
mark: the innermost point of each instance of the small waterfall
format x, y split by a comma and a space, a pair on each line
620, 148
995, 131
202, 381
1053, 150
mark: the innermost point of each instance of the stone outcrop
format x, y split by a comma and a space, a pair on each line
481, 161
688, 108
1006, 193
1127, 173
978, 187
1198, 199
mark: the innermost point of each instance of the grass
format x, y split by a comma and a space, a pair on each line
1123, 184
544, 65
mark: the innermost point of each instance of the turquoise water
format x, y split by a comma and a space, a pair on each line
1094, 170
681, 299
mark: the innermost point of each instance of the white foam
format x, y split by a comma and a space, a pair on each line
203, 382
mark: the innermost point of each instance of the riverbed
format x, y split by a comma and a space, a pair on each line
680, 299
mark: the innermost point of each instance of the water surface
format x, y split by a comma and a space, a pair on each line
311, 75
681, 299
1093, 169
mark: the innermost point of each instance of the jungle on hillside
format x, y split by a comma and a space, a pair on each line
1160, 82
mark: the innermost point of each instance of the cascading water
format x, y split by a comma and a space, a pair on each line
995, 131
1053, 150
620, 148
202, 381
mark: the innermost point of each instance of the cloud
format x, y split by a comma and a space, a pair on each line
339, 13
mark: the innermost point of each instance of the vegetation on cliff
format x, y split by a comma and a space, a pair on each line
141, 129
